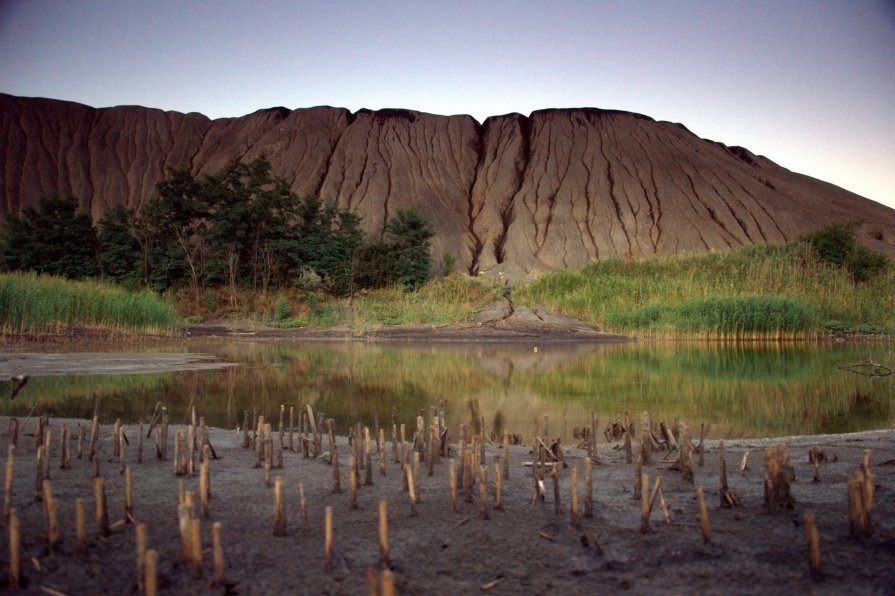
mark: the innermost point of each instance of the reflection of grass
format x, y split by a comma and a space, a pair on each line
760, 389
757, 389
75, 395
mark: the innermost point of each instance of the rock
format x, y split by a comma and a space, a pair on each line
496, 311
511, 198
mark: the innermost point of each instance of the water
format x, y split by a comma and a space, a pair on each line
744, 390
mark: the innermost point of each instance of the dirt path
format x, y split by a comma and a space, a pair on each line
525, 548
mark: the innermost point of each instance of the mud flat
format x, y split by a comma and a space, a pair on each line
531, 545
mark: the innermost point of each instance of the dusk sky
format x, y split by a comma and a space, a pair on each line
810, 85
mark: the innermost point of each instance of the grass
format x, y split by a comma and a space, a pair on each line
443, 301
34, 304
757, 292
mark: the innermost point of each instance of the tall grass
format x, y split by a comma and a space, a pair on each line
34, 304
765, 291
443, 301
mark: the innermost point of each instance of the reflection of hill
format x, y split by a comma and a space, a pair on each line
503, 361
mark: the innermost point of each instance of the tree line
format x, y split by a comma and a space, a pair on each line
241, 228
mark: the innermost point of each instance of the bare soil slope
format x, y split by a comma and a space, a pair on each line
514, 195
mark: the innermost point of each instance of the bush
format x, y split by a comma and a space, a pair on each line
864, 264
282, 310
836, 245
833, 244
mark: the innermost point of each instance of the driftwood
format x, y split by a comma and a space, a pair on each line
667, 437
615, 429
557, 452
868, 368
548, 450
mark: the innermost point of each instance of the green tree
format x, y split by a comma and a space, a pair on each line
56, 238
251, 221
175, 236
409, 235
328, 241
374, 266
119, 250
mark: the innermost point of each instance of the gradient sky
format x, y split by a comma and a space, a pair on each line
809, 84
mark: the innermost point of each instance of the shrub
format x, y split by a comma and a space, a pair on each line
282, 310
836, 245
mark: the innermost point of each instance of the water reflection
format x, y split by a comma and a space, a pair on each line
736, 390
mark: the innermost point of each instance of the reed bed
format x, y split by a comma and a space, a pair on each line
757, 292
31, 303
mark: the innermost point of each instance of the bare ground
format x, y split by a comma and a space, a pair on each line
525, 548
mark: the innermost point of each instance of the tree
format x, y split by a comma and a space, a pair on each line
374, 266
409, 235
119, 250
176, 226
251, 216
56, 239
328, 239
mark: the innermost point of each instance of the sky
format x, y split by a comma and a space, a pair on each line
808, 84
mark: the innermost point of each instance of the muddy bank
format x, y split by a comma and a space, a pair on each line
527, 547
498, 322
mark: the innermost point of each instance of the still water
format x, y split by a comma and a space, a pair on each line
736, 390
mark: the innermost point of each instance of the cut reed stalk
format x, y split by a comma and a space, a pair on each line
7, 480
151, 580
383, 534
498, 502
217, 543
328, 539
15, 550
303, 509
574, 517
80, 525
588, 487
813, 540
279, 508
102, 513
703, 516
141, 538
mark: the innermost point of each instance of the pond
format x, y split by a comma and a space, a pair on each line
735, 390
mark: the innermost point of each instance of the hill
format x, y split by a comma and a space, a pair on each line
514, 195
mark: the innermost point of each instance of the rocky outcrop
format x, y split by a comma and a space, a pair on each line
514, 195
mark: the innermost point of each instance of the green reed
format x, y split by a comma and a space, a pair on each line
34, 304
755, 292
